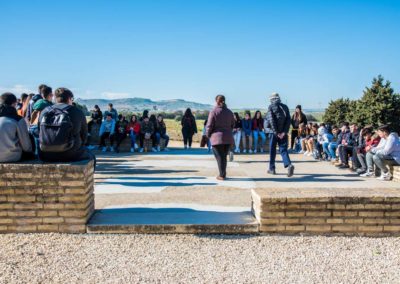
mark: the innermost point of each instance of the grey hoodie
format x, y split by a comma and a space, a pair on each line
390, 147
14, 136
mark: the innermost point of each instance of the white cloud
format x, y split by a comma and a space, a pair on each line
17, 89
112, 95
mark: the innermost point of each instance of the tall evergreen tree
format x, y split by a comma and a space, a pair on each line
337, 111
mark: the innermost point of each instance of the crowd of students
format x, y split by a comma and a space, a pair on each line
371, 153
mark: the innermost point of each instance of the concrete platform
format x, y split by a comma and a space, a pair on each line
150, 219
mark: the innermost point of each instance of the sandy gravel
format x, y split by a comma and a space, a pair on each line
55, 258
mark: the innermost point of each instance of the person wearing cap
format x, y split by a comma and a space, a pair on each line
278, 120
297, 118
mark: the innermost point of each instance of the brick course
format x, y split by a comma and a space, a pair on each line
36, 197
370, 213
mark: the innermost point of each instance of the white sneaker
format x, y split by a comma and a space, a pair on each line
309, 154
250, 151
154, 149
158, 148
385, 176
136, 146
261, 150
132, 150
112, 149
104, 149
166, 149
141, 150
305, 153
367, 174
255, 151
244, 151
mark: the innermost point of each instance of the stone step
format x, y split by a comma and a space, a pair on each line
396, 173
171, 220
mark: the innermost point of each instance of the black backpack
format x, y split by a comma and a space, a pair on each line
55, 133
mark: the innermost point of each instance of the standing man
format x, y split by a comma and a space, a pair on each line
278, 120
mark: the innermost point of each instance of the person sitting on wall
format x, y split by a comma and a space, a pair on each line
111, 110
107, 131
16, 145
120, 131
147, 132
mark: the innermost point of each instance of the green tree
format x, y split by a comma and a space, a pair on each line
338, 111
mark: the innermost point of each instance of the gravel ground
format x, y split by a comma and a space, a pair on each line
56, 258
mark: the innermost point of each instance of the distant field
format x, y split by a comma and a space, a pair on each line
174, 129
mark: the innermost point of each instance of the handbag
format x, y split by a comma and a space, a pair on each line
203, 142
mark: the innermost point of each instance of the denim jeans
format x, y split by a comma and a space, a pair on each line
325, 146
383, 161
256, 134
332, 149
133, 137
283, 149
163, 136
237, 136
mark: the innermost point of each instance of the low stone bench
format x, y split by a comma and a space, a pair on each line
37, 197
396, 173
370, 212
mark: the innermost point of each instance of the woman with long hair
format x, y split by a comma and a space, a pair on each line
237, 132
189, 128
133, 130
297, 118
161, 132
258, 131
219, 129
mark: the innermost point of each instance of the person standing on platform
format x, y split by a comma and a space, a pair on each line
278, 119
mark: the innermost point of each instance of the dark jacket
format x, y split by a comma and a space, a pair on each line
14, 135
296, 122
120, 127
146, 127
189, 125
258, 124
247, 126
220, 125
97, 116
29, 109
79, 133
278, 118
161, 128
344, 137
113, 112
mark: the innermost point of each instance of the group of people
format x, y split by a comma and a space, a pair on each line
44, 126
370, 152
116, 128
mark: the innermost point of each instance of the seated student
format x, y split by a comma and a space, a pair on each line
332, 146
387, 153
312, 140
320, 139
120, 131
237, 132
247, 125
107, 131
133, 130
96, 117
33, 99
368, 142
16, 145
326, 138
111, 110
147, 132
298, 117
258, 131
161, 132
304, 133
63, 131
344, 146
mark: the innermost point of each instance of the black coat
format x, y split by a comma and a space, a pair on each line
278, 118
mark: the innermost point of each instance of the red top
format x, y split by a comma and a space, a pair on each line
135, 126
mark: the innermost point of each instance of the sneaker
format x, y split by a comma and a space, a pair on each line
360, 171
271, 172
305, 153
250, 152
158, 148
153, 149
290, 170
104, 149
185, 147
255, 151
301, 152
261, 150
343, 166
367, 174
141, 150
309, 154
385, 176
231, 156
136, 146
244, 151
132, 150
112, 149
166, 149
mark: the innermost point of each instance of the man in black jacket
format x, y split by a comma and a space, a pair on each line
78, 152
278, 120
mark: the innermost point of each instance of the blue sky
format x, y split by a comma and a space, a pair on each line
308, 51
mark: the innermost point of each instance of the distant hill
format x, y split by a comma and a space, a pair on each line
140, 104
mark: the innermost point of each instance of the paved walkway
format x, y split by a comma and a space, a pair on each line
186, 179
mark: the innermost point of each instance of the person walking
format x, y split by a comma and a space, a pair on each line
278, 119
219, 129
189, 128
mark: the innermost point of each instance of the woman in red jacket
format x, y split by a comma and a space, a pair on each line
133, 130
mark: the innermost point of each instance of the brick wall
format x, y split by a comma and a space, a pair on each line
306, 212
46, 197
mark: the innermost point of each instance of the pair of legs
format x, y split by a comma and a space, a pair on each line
107, 136
256, 134
237, 136
283, 150
187, 138
221, 155
344, 153
152, 138
119, 137
163, 136
293, 135
381, 161
247, 142
332, 146
309, 145
134, 136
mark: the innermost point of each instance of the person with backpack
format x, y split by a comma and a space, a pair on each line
32, 102
120, 131
278, 119
189, 128
107, 131
63, 131
221, 122
111, 110
16, 145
